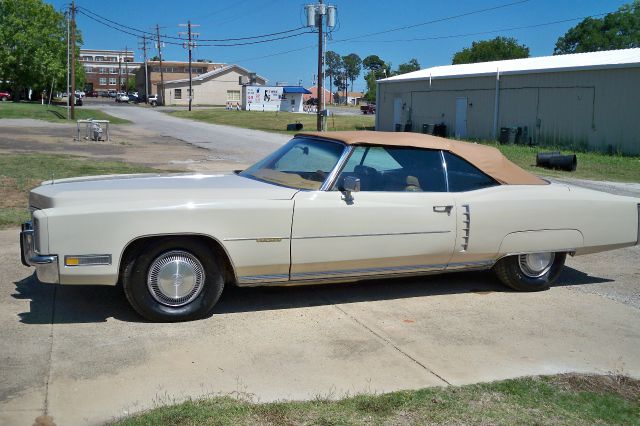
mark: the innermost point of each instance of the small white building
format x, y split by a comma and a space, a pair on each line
274, 98
218, 87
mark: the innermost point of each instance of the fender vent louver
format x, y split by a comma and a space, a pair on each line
466, 227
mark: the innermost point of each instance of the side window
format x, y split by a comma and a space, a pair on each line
395, 169
464, 176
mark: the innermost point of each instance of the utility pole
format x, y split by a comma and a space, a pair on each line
126, 69
320, 118
72, 96
190, 44
66, 89
146, 74
315, 14
119, 72
160, 94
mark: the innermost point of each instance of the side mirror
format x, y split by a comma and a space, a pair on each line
349, 185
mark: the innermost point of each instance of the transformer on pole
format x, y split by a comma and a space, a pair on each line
315, 14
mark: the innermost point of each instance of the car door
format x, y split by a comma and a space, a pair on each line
402, 221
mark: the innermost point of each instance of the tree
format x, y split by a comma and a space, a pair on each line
156, 58
374, 64
491, 50
411, 66
377, 69
131, 84
33, 46
352, 67
617, 30
333, 68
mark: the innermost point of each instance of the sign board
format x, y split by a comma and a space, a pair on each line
263, 98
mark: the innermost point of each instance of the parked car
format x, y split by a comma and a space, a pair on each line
5, 96
104, 94
112, 93
153, 100
368, 109
93, 94
78, 98
367, 205
122, 97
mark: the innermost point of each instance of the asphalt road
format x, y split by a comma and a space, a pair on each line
230, 144
81, 355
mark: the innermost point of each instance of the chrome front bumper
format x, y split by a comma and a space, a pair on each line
46, 266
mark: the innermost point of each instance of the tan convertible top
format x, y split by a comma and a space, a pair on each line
488, 159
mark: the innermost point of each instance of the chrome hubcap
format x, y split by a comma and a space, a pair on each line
175, 278
535, 265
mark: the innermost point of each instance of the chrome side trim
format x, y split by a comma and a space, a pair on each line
368, 235
262, 278
378, 273
258, 239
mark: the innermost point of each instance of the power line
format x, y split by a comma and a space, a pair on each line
175, 43
96, 16
434, 21
481, 32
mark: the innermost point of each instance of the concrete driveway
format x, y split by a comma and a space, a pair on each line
81, 355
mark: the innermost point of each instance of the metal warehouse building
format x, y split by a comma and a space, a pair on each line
582, 100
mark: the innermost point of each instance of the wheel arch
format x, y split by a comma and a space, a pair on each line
139, 243
538, 241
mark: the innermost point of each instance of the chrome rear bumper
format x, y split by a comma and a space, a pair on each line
46, 266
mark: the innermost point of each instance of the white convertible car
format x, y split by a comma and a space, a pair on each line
326, 207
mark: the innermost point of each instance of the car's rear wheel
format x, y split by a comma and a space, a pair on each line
530, 272
4, 99
173, 280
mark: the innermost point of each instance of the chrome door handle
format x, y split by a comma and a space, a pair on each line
443, 209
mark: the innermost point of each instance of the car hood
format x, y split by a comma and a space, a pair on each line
153, 189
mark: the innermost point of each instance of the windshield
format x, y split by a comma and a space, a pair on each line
302, 163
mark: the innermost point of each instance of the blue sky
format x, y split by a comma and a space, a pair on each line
223, 19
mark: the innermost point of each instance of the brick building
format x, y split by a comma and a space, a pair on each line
107, 69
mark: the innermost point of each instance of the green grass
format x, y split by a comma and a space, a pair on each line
563, 399
19, 173
591, 165
275, 121
52, 113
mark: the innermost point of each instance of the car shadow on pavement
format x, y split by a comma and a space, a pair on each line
237, 299
97, 303
73, 303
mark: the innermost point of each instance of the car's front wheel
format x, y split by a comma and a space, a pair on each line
4, 99
173, 281
530, 272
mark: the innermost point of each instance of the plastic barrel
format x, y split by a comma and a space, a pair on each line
542, 158
294, 126
568, 163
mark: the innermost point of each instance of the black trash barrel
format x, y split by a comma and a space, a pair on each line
295, 126
428, 128
542, 158
398, 127
440, 130
564, 162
